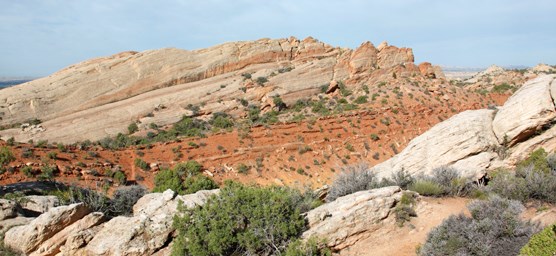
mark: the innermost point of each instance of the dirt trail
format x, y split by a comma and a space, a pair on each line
392, 240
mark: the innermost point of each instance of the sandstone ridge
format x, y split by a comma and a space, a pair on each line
101, 97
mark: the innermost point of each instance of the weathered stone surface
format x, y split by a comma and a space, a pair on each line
527, 111
363, 58
463, 135
53, 244
40, 204
148, 230
100, 97
76, 241
7, 224
27, 238
8, 209
348, 218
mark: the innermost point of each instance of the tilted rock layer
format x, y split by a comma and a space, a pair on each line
101, 97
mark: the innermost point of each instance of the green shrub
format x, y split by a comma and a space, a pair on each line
120, 177
241, 220
132, 128
184, 178
221, 120
312, 247
52, 155
361, 100
189, 168
47, 172
542, 243
427, 188
404, 210
197, 183
261, 80
28, 171
141, 164
538, 159
243, 168
494, 228
6, 156
168, 179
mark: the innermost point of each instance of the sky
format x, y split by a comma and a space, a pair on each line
39, 37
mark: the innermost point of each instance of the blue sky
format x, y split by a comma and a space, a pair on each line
39, 37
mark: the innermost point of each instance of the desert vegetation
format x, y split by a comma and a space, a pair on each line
246, 220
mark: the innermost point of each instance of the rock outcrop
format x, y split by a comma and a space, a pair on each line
350, 218
28, 238
529, 110
101, 97
74, 230
148, 230
472, 140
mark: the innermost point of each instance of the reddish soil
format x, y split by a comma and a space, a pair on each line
273, 151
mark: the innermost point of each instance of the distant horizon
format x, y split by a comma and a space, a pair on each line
42, 37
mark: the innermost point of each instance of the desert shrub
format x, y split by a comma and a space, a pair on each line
241, 220
279, 103
524, 184
188, 169
197, 183
404, 210
443, 181
167, 179
141, 164
261, 80
28, 171
494, 228
311, 247
184, 178
52, 155
400, 178
353, 178
538, 159
221, 120
451, 181
120, 177
96, 201
6, 156
542, 243
132, 128
47, 172
243, 168
427, 188
361, 100
26, 153
124, 198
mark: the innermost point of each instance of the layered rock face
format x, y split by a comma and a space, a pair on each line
472, 140
350, 218
75, 230
101, 97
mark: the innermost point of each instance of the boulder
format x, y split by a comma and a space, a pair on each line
8, 209
350, 218
7, 224
528, 110
462, 136
52, 245
76, 241
27, 238
148, 230
39, 204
